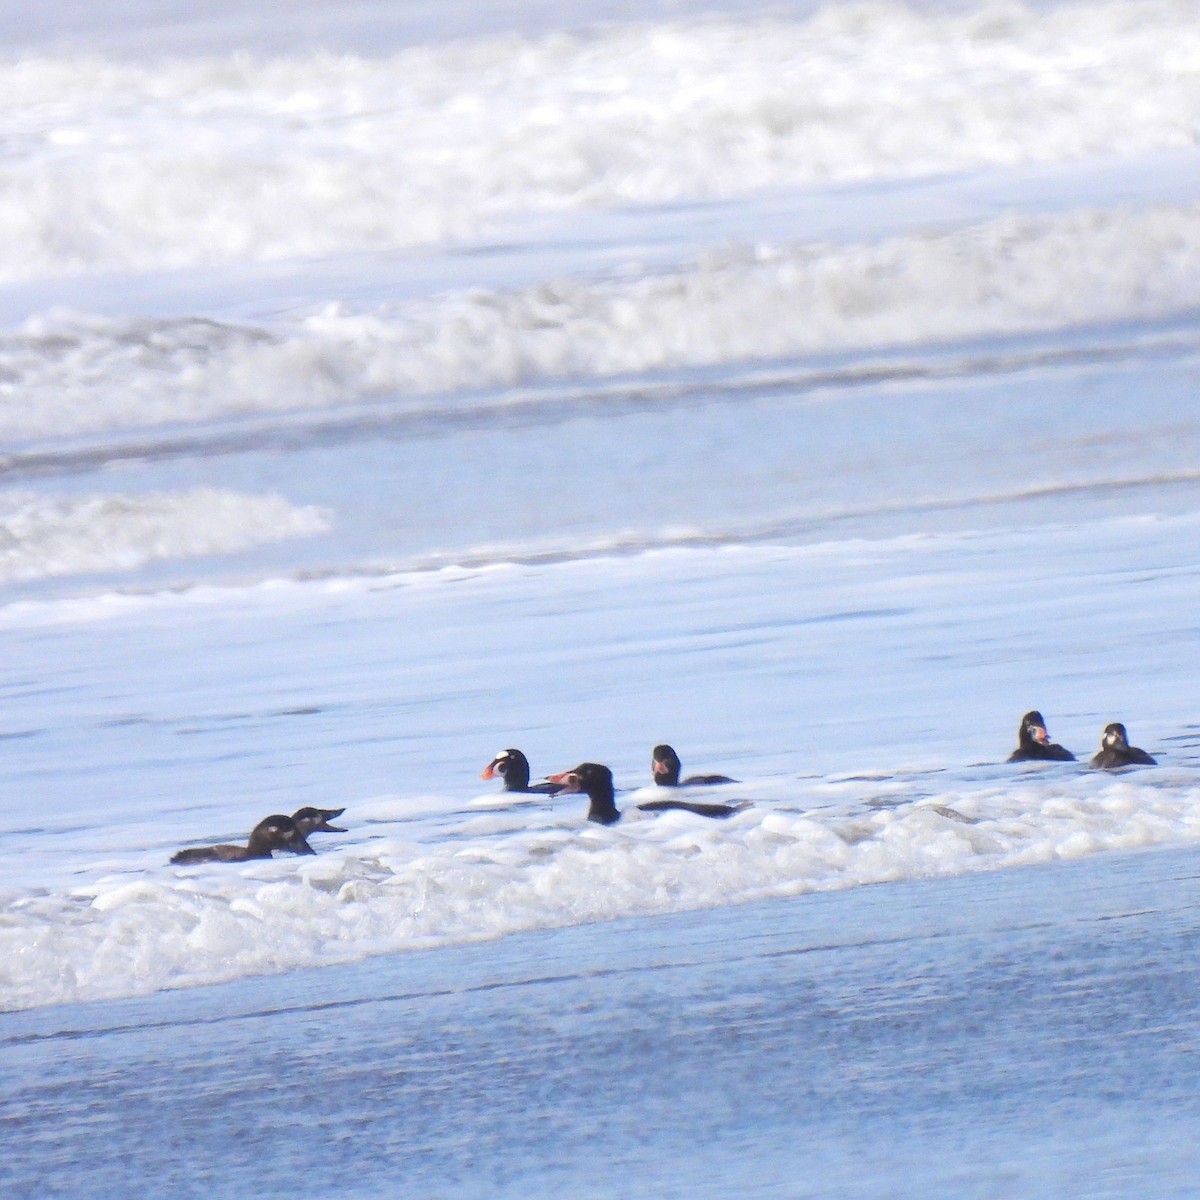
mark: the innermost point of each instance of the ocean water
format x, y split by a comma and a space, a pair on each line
810, 386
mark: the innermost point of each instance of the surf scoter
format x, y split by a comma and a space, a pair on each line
1033, 742
1115, 750
513, 767
596, 782
275, 832
666, 767
316, 820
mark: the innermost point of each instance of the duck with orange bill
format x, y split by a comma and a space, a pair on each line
513, 767
665, 765
1034, 744
595, 781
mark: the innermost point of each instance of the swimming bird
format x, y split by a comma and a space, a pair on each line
596, 782
272, 833
666, 767
316, 820
1033, 742
1115, 750
513, 767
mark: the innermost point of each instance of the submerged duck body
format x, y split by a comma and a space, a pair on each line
272, 833
1034, 744
1115, 750
595, 781
513, 768
665, 765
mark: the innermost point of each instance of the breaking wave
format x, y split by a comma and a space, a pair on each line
71, 535
70, 374
121, 166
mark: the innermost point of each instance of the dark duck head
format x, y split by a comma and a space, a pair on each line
272, 833
513, 767
1033, 729
277, 832
1033, 741
596, 782
1115, 737
316, 820
665, 764
1115, 750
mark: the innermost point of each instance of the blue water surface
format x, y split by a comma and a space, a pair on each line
1028, 1033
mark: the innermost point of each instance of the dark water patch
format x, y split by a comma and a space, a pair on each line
952, 814
129, 719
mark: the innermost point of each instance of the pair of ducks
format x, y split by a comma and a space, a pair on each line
595, 781
1034, 744
272, 833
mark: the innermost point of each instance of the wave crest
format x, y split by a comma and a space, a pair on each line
73, 535
216, 160
72, 375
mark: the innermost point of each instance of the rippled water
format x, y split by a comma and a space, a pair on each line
1028, 1031
384, 386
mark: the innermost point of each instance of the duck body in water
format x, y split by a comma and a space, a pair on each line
1115, 750
272, 833
595, 781
665, 765
1034, 744
513, 767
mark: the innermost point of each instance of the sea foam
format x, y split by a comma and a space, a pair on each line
69, 535
70, 374
168, 927
214, 160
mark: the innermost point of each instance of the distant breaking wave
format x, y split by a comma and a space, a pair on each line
72, 375
72, 535
118, 166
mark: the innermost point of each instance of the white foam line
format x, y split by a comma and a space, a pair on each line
183, 927
240, 158
72, 375
73, 535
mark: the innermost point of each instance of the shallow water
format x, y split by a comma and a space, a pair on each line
385, 385
385, 697
1028, 1033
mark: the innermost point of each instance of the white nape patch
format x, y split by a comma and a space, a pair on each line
71, 535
